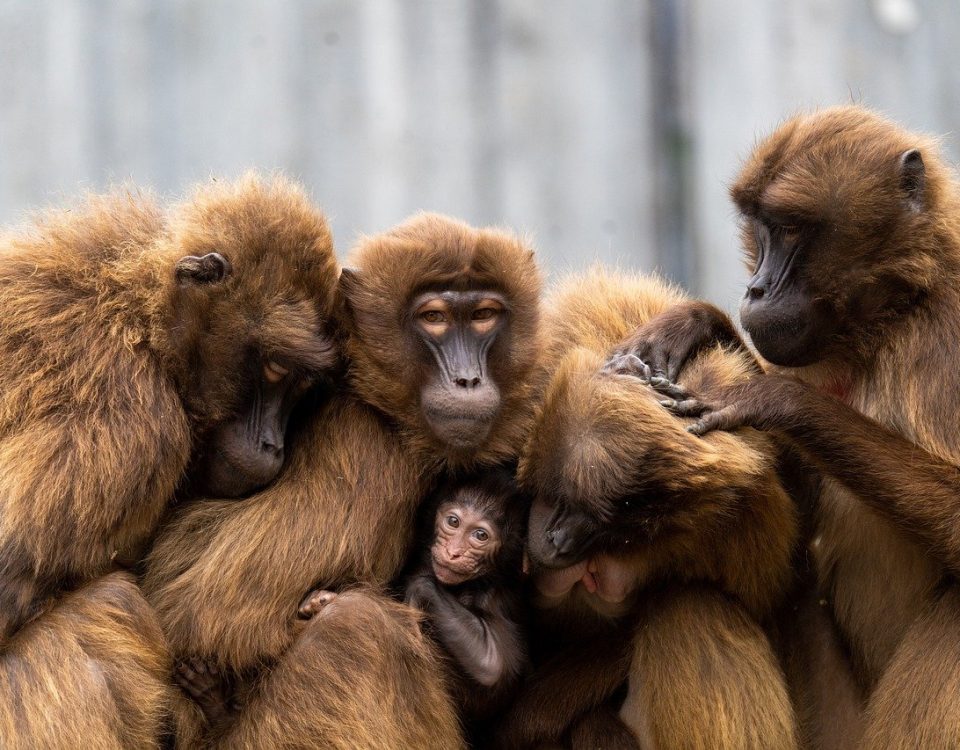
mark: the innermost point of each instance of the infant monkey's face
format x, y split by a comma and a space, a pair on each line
465, 543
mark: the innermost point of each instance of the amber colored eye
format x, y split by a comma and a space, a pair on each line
453, 522
273, 372
485, 313
433, 316
480, 535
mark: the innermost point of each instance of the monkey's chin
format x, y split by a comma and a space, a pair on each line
460, 434
449, 577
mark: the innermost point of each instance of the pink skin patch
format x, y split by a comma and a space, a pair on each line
606, 577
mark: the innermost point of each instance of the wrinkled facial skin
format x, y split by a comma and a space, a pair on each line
246, 453
465, 543
789, 324
459, 400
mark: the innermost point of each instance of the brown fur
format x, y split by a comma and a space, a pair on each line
93, 672
114, 373
364, 693
714, 559
888, 548
227, 577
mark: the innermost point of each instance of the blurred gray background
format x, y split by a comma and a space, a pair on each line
607, 129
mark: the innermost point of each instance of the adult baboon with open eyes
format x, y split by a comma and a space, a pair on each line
852, 228
441, 327
657, 559
129, 338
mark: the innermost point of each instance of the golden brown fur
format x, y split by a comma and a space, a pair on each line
378, 692
227, 577
887, 550
114, 374
93, 672
709, 547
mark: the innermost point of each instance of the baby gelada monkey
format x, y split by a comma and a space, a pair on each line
466, 577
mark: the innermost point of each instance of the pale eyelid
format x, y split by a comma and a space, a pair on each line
433, 305
274, 372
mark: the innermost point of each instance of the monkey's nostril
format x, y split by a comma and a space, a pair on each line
268, 446
467, 382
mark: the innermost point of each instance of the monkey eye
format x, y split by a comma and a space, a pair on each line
273, 372
433, 316
484, 317
480, 535
453, 522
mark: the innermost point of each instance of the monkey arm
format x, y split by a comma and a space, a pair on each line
898, 479
486, 646
669, 340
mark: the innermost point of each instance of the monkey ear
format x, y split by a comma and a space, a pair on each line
913, 178
211, 268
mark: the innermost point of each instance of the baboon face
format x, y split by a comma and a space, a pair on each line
252, 370
251, 306
826, 202
559, 534
441, 324
564, 532
455, 330
246, 451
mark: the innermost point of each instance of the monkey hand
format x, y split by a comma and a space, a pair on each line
420, 592
764, 402
664, 344
212, 692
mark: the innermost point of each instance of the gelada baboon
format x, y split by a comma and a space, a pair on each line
466, 576
852, 230
657, 557
130, 337
441, 328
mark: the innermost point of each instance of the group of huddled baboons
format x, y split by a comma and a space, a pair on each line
249, 499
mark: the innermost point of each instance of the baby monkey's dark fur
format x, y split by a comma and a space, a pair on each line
475, 611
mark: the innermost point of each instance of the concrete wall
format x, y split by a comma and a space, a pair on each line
606, 128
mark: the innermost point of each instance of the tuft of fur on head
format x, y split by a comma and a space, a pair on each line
430, 251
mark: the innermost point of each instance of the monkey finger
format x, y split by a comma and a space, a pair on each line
668, 388
725, 419
658, 364
675, 366
183, 669
188, 680
198, 665
690, 407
